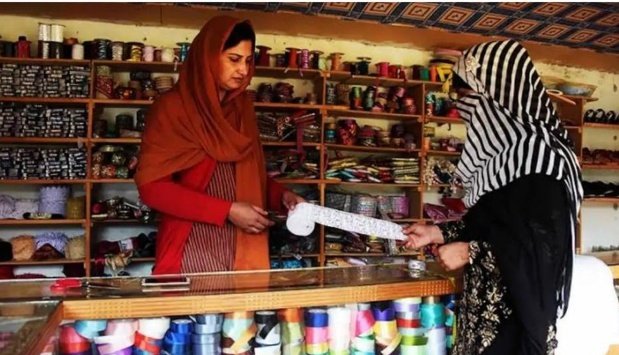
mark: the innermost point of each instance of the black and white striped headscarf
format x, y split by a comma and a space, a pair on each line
512, 127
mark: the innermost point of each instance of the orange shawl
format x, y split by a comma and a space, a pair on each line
190, 123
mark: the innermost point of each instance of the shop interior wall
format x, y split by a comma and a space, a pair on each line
600, 221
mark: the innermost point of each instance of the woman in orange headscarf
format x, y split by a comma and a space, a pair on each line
201, 162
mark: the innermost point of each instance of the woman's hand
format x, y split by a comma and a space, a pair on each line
420, 235
290, 200
249, 218
453, 256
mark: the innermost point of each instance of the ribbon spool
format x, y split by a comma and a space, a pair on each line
450, 319
385, 329
120, 344
263, 55
177, 340
339, 330
77, 51
292, 331
56, 33
304, 59
90, 329
45, 32
336, 61
315, 61
292, 60
70, 342
363, 65
206, 337
407, 316
268, 335
433, 320
239, 330
316, 332
362, 329
117, 50
382, 69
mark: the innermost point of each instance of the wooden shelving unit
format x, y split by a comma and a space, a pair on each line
320, 79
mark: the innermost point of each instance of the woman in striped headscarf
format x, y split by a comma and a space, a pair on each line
523, 190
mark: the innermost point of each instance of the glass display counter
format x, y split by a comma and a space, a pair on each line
32, 310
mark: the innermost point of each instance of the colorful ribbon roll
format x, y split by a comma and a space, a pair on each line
126, 327
206, 337
316, 332
292, 331
239, 330
90, 329
339, 330
433, 320
70, 342
302, 219
148, 338
450, 319
362, 329
385, 328
177, 340
120, 344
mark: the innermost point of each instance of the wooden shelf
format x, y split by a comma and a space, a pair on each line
42, 182
298, 181
285, 106
375, 255
377, 184
40, 222
357, 148
41, 61
112, 181
121, 221
577, 98
37, 140
44, 100
287, 73
443, 152
126, 66
116, 140
292, 256
116, 102
338, 111
366, 80
42, 262
602, 199
601, 125
288, 144
600, 166
443, 120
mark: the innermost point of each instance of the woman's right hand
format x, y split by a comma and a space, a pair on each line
420, 235
249, 218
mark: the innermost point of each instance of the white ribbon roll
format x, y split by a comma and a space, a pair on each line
154, 327
302, 219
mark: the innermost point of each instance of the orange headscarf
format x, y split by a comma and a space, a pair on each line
190, 123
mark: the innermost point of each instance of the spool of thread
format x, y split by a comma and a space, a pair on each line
183, 50
280, 60
331, 96
336, 61
382, 69
292, 60
363, 65
330, 136
117, 50
101, 46
356, 98
263, 56
292, 331
315, 61
304, 59
316, 331
339, 330
385, 328
56, 32
135, 51
70, 342
55, 50
45, 32
77, 52
368, 97
343, 94
43, 49
148, 54
23, 47
238, 333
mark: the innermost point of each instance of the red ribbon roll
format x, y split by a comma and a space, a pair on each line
70, 342
408, 323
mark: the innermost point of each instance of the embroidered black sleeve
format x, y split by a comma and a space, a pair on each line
452, 231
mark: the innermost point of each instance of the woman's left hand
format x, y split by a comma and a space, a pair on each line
290, 200
453, 256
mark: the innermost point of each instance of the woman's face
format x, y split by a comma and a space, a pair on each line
234, 63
